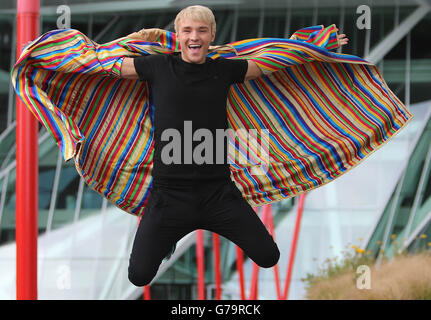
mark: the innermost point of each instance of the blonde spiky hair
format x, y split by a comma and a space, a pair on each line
198, 13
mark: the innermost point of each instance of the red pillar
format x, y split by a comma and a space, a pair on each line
200, 260
270, 226
240, 268
147, 293
217, 271
26, 168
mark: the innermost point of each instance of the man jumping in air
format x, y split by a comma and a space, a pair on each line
189, 86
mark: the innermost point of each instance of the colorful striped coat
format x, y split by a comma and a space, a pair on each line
325, 112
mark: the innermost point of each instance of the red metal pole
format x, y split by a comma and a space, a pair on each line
270, 224
147, 292
293, 247
254, 282
256, 268
216, 245
26, 168
200, 264
240, 268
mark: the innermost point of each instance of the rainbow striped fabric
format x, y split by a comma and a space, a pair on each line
325, 112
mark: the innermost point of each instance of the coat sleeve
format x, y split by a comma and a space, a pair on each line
325, 112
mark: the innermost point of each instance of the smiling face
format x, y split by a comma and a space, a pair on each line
195, 38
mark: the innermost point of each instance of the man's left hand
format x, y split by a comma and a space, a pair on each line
342, 40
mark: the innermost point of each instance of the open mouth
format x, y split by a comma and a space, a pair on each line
194, 48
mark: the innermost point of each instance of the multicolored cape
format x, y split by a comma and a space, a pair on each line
325, 112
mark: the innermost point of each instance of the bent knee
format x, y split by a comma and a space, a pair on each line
140, 278
270, 259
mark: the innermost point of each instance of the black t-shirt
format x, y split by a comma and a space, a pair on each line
184, 92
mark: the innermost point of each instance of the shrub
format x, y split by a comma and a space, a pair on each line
405, 276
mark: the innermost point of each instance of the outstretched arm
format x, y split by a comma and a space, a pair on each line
254, 71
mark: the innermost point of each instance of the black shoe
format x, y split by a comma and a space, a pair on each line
169, 255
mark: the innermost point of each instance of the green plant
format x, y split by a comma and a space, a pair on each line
335, 266
405, 277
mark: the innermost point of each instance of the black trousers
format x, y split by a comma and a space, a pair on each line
174, 210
